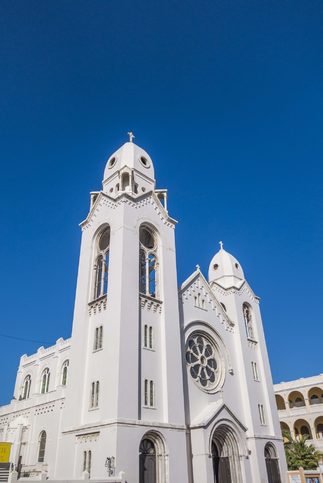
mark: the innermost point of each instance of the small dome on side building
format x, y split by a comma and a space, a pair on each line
225, 269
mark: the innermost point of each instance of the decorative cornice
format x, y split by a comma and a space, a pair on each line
98, 305
150, 303
145, 199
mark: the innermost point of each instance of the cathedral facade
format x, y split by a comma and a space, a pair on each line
166, 384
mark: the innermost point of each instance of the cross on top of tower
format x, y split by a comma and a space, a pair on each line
131, 136
221, 245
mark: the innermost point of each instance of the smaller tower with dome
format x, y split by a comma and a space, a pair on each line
130, 169
225, 270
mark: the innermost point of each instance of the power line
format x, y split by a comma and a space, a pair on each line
23, 339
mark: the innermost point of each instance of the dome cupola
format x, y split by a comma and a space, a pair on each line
129, 169
225, 269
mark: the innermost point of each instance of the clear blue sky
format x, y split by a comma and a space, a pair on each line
227, 98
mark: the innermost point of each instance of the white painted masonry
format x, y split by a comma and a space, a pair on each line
173, 385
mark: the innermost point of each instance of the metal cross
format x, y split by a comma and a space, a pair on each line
131, 136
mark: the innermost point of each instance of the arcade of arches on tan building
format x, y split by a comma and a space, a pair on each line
298, 412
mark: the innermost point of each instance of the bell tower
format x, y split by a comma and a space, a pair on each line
125, 380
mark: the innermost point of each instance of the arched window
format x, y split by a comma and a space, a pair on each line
44, 385
102, 264
272, 465
125, 182
26, 387
64, 373
148, 262
248, 319
280, 403
302, 429
41, 446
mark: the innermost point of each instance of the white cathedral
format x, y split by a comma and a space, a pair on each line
166, 384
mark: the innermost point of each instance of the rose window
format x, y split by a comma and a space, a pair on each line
201, 357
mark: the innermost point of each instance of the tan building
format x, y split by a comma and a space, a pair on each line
300, 408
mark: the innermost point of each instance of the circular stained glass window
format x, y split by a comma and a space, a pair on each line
203, 361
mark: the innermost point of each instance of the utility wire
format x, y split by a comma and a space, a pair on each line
24, 340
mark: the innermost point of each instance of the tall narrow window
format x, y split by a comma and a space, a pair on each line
255, 371
95, 388
98, 338
87, 461
151, 394
102, 264
125, 182
150, 337
64, 373
261, 414
148, 262
146, 392
26, 387
41, 446
84, 460
146, 336
248, 319
45, 381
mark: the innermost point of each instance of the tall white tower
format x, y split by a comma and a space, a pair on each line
125, 392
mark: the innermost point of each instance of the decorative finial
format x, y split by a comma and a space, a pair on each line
131, 136
221, 245
197, 267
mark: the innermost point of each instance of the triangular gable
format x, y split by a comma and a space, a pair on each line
213, 411
197, 278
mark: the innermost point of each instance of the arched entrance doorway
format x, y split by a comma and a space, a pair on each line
152, 459
147, 461
272, 465
225, 456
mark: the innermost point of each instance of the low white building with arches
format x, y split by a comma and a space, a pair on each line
167, 384
300, 408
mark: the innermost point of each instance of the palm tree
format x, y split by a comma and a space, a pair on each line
299, 453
